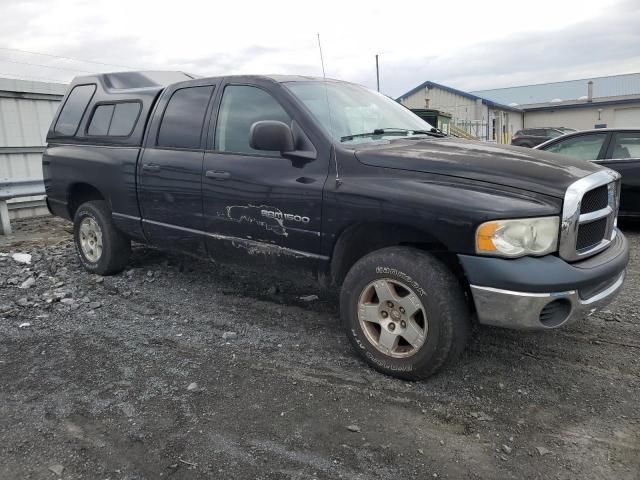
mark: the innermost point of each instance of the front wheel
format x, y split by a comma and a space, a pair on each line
102, 248
404, 312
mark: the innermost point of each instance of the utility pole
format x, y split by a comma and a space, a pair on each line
377, 73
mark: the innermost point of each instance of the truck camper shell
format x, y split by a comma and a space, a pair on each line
87, 112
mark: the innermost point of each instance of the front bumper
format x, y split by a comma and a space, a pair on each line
546, 292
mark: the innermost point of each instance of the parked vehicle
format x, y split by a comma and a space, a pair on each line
530, 137
420, 231
617, 149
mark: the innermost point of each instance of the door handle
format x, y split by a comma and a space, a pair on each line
217, 174
151, 167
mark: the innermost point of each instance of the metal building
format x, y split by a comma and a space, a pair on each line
601, 87
599, 102
471, 115
495, 115
26, 111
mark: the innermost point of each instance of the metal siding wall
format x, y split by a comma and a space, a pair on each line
20, 165
626, 117
24, 123
466, 113
414, 101
457, 105
578, 118
516, 122
460, 107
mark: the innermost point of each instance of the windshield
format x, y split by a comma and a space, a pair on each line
356, 114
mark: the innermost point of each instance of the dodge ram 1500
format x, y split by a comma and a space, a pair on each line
421, 232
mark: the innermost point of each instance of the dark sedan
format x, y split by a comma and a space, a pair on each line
530, 137
617, 149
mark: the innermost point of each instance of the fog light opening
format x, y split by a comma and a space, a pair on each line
555, 313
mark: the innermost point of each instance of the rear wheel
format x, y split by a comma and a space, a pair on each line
102, 248
404, 312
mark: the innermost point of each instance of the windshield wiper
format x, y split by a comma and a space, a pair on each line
377, 132
434, 132
394, 131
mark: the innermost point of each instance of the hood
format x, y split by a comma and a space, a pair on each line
517, 167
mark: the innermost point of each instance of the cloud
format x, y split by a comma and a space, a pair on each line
469, 47
605, 45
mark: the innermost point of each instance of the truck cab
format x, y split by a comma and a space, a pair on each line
422, 233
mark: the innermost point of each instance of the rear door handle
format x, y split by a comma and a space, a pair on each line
151, 167
218, 174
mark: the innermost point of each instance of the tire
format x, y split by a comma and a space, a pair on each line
92, 225
442, 317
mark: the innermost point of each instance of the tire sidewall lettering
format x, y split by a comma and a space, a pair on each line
403, 276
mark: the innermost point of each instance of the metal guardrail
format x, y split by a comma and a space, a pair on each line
11, 150
16, 188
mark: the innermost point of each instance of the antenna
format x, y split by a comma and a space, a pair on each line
377, 73
321, 58
326, 93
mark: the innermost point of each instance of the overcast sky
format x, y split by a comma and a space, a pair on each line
469, 45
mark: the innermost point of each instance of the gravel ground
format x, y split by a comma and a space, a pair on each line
138, 376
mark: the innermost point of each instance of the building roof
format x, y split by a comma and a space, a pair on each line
488, 102
584, 103
28, 86
571, 90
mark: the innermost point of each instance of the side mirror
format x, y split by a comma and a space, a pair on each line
271, 135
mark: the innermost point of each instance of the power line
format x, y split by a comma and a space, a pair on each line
46, 66
66, 58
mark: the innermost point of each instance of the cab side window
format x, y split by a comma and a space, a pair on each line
240, 108
626, 145
582, 147
183, 118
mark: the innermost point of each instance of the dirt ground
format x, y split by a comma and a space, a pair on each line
137, 376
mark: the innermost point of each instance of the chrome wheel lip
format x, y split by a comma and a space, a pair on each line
90, 239
391, 318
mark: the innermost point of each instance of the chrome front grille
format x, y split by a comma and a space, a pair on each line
589, 215
595, 199
591, 234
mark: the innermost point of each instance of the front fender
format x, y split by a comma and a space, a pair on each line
447, 209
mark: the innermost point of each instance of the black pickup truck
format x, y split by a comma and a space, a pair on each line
422, 233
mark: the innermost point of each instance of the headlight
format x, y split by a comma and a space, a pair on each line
516, 238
